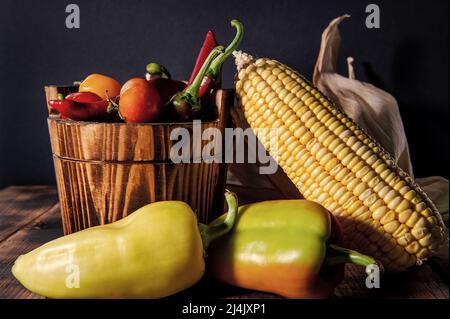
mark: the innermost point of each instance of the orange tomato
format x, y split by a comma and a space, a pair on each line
140, 102
134, 82
102, 85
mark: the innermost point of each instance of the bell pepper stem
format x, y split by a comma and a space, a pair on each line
214, 69
192, 91
210, 233
338, 255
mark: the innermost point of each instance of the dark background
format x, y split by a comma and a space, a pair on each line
407, 56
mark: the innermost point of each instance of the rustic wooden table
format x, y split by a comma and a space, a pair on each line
29, 217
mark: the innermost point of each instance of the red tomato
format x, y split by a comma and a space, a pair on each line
134, 82
139, 102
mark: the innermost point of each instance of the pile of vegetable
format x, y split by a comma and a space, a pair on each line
155, 98
356, 196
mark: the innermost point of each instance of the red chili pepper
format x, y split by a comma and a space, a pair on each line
208, 83
186, 104
212, 77
83, 97
208, 45
82, 106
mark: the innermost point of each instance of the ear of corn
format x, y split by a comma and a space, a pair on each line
334, 162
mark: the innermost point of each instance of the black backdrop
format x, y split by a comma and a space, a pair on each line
407, 56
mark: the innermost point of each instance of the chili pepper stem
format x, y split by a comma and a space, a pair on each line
191, 91
210, 233
214, 69
338, 255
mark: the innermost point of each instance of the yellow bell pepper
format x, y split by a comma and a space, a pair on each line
154, 252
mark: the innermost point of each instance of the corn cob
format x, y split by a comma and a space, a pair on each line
333, 161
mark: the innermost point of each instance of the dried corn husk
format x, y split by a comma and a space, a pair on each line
373, 109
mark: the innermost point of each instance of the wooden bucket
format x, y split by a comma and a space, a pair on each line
105, 171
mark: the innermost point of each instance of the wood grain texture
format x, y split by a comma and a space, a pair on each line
419, 282
99, 193
105, 171
20, 205
41, 230
416, 283
29, 217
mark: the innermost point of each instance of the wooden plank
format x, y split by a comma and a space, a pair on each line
440, 266
43, 229
416, 283
19, 205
